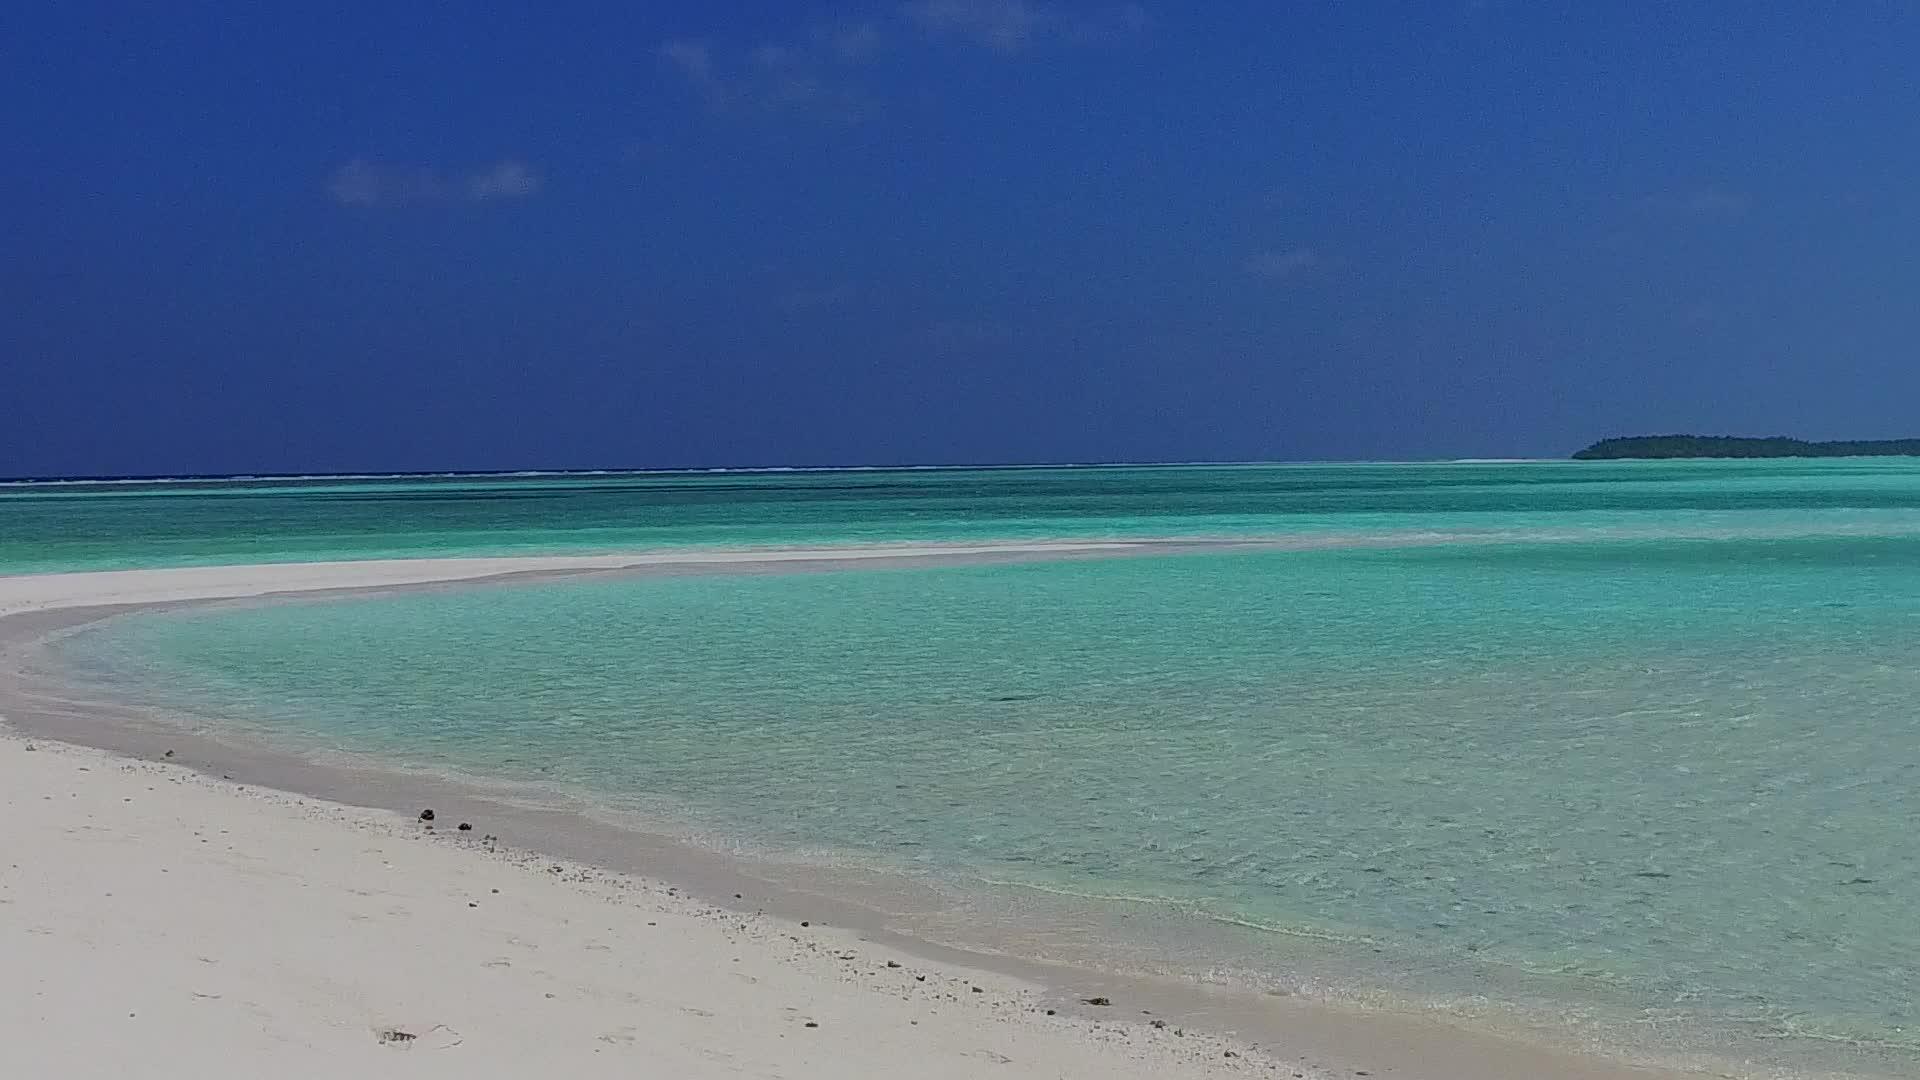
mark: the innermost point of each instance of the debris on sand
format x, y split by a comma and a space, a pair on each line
426, 815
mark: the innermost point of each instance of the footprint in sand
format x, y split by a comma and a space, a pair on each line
411, 1037
622, 1037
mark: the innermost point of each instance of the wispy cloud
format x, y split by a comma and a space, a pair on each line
1012, 26
1275, 264
772, 78
693, 59
1006, 26
850, 42
814, 73
505, 180
361, 182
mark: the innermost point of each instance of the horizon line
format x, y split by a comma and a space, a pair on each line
689, 470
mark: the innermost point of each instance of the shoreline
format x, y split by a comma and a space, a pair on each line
1344, 1041
306, 937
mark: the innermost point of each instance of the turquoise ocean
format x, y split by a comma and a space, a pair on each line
1636, 743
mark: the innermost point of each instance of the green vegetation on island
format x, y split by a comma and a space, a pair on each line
1733, 446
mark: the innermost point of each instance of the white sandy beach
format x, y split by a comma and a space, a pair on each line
159, 921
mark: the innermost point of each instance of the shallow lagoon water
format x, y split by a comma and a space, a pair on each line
1669, 776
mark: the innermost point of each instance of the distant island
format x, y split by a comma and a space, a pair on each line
1733, 446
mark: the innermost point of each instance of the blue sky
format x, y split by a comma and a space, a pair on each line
240, 237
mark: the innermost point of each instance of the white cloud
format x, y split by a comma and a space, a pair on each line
810, 74
852, 41
693, 58
770, 78
361, 182
1012, 26
507, 180
1285, 263
813, 72
1005, 26
1108, 25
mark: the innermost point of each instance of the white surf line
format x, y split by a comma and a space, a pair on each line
24, 593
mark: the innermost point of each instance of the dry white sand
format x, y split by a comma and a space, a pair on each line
158, 922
